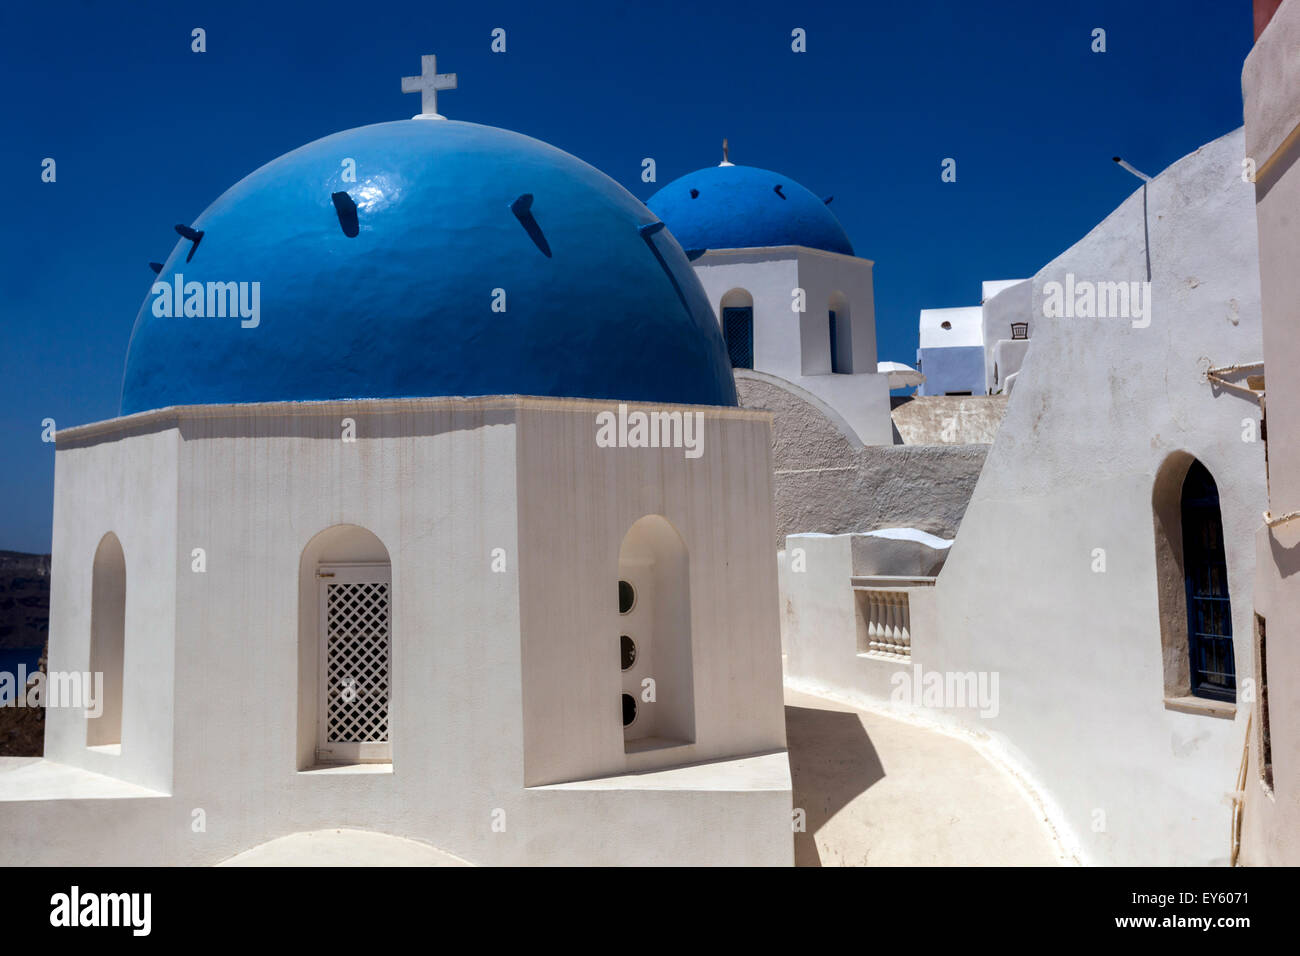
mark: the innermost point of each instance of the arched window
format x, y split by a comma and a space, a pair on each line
841, 334
107, 641
1192, 583
654, 637
1209, 609
738, 327
345, 649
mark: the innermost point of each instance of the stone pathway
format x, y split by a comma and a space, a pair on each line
882, 792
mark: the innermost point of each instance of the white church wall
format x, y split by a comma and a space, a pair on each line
1077, 653
255, 486
720, 504
263, 483
769, 276
826, 276
796, 346
102, 487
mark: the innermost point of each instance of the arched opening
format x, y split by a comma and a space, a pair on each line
344, 649
107, 642
654, 637
737, 312
841, 334
1192, 583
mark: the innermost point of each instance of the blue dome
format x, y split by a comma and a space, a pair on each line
742, 207
384, 285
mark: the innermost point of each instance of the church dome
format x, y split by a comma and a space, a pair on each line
743, 207
425, 258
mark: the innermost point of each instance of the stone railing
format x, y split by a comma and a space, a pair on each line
883, 614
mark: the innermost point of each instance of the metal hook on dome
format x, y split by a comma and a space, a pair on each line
522, 207
647, 232
346, 209
194, 236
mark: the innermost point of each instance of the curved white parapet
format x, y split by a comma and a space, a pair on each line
913, 534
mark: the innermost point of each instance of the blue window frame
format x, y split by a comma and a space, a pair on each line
738, 330
1209, 608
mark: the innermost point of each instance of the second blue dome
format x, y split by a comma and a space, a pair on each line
744, 207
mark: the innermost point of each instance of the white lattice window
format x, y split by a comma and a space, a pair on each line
355, 661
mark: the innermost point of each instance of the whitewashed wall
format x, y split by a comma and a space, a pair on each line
1098, 408
1271, 86
796, 347
441, 483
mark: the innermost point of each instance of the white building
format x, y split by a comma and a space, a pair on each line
1271, 784
976, 349
951, 354
1092, 621
795, 304
1008, 320
496, 580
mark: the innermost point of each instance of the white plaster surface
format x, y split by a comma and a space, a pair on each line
1013, 302
343, 848
1097, 410
796, 346
1271, 87
912, 534
33, 778
990, 288
499, 680
965, 323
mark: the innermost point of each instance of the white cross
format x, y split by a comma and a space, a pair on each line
427, 84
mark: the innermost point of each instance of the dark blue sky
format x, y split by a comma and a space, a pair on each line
146, 134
